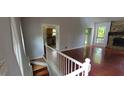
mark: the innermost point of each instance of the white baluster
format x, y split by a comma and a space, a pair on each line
71, 66
68, 66
59, 64
62, 65
74, 66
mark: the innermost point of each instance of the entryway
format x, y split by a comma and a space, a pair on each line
51, 36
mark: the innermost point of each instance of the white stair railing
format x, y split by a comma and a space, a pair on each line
60, 64
84, 70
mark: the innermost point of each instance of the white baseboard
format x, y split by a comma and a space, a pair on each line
36, 57
39, 63
71, 48
74, 48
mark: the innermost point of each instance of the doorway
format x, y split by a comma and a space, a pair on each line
51, 36
87, 36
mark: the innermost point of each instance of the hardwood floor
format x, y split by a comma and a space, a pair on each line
104, 61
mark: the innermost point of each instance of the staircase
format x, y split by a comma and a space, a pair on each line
39, 67
39, 70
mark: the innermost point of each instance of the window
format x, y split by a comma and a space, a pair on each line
100, 34
54, 32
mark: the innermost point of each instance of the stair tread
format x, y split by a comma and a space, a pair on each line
40, 59
38, 67
42, 73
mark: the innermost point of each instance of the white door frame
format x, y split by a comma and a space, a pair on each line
43, 29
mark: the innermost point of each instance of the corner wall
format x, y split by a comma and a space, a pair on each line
6, 50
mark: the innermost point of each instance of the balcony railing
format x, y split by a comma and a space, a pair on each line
60, 64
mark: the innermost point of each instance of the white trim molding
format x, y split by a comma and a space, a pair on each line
36, 58
74, 48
